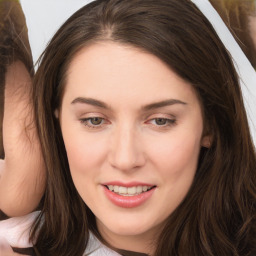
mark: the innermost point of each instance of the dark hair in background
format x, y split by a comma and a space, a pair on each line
217, 217
236, 14
14, 46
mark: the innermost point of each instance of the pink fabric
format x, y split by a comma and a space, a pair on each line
15, 231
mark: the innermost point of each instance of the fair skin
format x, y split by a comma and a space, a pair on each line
22, 172
133, 142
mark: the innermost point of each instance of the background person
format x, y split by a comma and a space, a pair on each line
239, 16
21, 168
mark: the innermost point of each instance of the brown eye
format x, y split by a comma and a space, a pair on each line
161, 121
95, 120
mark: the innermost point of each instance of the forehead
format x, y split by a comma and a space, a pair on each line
111, 71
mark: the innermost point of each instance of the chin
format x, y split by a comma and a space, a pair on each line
128, 228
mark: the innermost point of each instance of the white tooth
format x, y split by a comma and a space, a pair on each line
139, 189
128, 191
144, 188
122, 190
132, 190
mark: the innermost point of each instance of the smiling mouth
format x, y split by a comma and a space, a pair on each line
129, 191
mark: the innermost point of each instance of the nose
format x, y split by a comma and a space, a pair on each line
126, 150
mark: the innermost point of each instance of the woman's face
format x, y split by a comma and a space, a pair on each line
133, 131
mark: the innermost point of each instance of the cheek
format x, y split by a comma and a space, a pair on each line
85, 157
176, 157
176, 164
85, 154
85, 151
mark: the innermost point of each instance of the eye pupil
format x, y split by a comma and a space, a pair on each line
96, 120
160, 121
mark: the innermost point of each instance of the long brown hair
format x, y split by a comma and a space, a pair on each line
217, 217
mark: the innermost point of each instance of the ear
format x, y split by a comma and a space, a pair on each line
56, 113
206, 141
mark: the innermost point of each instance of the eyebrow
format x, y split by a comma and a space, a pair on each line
162, 104
148, 107
90, 101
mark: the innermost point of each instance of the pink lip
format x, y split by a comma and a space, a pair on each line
128, 201
128, 185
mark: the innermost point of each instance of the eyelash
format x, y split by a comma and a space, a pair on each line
168, 122
87, 122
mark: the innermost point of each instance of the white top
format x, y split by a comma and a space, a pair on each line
15, 232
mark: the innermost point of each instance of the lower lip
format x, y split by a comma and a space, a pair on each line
128, 201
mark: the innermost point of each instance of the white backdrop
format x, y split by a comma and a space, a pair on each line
44, 17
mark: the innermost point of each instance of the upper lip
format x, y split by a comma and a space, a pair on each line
128, 184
